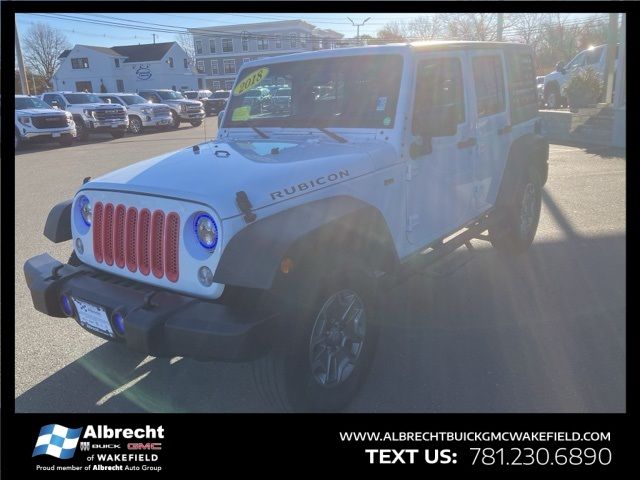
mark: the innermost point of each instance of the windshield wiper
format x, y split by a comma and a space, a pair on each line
256, 129
335, 136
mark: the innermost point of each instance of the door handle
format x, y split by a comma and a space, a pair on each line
469, 142
505, 129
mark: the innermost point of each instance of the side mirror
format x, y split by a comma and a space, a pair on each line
54, 104
107, 100
560, 67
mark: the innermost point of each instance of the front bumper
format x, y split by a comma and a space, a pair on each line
191, 116
156, 322
151, 121
109, 125
53, 133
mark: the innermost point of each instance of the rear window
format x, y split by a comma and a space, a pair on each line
522, 86
489, 81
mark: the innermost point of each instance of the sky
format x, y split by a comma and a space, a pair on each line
79, 31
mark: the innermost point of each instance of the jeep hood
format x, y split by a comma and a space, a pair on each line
269, 171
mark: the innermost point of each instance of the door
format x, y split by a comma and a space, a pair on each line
492, 126
81, 86
440, 170
120, 86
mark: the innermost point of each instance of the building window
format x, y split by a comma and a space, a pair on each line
303, 41
78, 63
198, 47
245, 60
186, 63
294, 40
229, 66
117, 61
200, 66
227, 45
200, 83
245, 43
263, 43
214, 67
170, 62
215, 85
212, 45
278, 41
120, 86
228, 84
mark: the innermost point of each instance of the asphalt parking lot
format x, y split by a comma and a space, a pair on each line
544, 332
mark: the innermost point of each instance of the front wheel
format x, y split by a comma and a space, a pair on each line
118, 134
175, 122
82, 131
518, 224
325, 341
196, 123
135, 125
18, 142
66, 140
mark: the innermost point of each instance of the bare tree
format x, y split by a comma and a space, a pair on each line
393, 32
427, 28
472, 26
185, 40
42, 47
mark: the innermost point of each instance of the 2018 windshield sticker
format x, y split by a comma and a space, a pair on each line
241, 114
251, 80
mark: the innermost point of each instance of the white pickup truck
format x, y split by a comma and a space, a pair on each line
36, 119
275, 242
90, 114
141, 113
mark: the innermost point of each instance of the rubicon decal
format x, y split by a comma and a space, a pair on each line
57, 441
309, 184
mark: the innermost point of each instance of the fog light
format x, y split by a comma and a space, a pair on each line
66, 305
118, 323
205, 276
79, 246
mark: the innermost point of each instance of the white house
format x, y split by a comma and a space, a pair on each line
221, 50
126, 68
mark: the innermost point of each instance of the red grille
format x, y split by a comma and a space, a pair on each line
171, 246
157, 258
144, 231
118, 235
97, 232
107, 234
130, 239
144, 241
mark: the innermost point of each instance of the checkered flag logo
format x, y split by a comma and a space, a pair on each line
57, 441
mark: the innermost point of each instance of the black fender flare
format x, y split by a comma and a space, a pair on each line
58, 225
253, 256
529, 151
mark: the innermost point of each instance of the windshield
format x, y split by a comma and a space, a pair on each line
133, 99
23, 103
170, 95
191, 95
220, 95
82, 98
354, 92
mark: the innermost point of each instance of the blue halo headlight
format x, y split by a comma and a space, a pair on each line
85, 210
206, 230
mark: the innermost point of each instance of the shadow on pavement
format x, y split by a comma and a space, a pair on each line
544, 332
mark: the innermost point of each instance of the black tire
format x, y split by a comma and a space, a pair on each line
82, 131
66, 140
135, 125
518, 218
285, 377
118, 133
196, 123
175, 123
74, 261
18, 141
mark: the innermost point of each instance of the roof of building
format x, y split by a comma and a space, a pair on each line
279, 24
147, 52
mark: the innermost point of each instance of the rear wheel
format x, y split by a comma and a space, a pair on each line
18, 142
325, 342
519, 218
196, 123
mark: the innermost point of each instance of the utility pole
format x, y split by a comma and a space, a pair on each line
610, 64
23, 75
500, 27
154, 37
358, 25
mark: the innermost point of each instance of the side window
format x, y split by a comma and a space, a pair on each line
522, 88
489, 81
593, 56
578, 61
439, 102
47, 98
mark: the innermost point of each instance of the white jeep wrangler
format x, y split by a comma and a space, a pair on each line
275, 241
90, 114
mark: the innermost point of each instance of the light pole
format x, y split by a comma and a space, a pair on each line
358, 25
